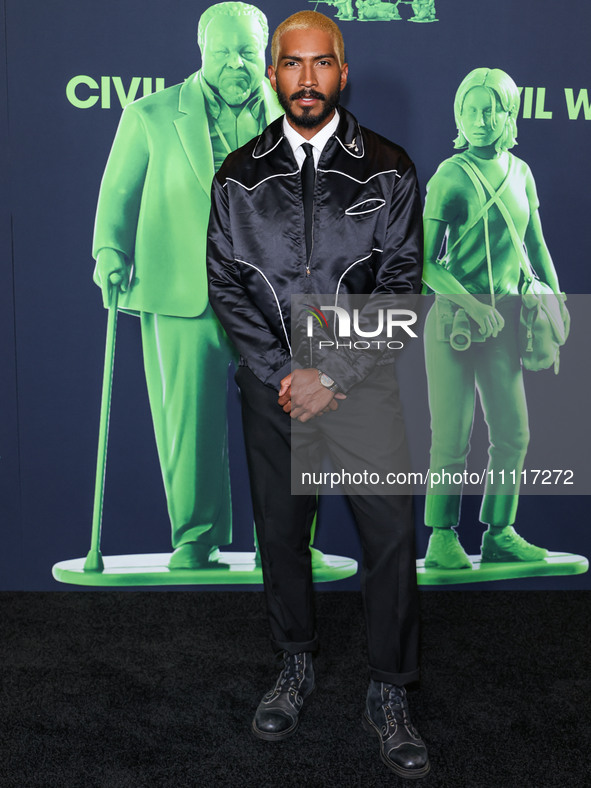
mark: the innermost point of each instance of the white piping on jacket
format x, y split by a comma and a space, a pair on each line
352, 212
350, 152
361, 259
238, 260
254, 156
268, 178
375, 175
336, 295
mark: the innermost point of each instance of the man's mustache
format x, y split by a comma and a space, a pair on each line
307, 94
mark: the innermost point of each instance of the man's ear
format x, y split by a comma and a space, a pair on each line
272, 77
344, 74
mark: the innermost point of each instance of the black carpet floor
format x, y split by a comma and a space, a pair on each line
142, 690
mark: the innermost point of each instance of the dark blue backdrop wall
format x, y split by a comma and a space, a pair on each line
69, 67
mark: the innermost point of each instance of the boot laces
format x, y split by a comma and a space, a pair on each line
292, 673
396, 706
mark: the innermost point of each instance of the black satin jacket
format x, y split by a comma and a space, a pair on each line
367, 237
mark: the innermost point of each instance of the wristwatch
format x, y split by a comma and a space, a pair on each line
327, 382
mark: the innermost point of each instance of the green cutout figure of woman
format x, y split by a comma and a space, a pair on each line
462, 212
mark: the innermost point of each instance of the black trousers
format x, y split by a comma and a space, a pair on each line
283, 522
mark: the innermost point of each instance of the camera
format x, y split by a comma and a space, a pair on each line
460, 337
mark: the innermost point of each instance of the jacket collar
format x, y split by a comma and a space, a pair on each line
348, 135
194, 136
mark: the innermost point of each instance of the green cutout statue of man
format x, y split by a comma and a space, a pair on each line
150, 241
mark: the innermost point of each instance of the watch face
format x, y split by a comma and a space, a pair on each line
326, 381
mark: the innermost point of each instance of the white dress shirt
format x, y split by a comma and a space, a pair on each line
317, 142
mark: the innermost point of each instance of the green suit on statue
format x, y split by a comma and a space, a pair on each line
150, 241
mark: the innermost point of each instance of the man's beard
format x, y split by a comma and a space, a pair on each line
307, 120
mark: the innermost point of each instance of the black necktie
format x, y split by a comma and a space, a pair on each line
308, 175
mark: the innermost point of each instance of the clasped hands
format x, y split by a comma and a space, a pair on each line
302, 395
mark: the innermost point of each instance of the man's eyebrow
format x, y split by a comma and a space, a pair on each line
330, 55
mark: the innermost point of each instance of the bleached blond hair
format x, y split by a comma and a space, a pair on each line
306, 20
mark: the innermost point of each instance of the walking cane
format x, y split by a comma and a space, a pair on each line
94, 559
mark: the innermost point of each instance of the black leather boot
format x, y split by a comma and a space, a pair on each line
401, 747
277, 715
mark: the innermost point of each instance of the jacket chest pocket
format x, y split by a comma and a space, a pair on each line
366, 209
364, 223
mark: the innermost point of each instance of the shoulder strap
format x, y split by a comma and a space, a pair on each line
504, 211
484, 205
482, 214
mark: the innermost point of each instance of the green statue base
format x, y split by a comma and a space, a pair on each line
151, 570
553, 564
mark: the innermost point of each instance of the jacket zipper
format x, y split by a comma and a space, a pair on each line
312, 246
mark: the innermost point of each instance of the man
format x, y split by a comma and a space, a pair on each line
276, 231
150, 241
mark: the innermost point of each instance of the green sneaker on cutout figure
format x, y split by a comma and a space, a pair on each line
509, 546
444, 551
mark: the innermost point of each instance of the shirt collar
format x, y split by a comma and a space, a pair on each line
318, 141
